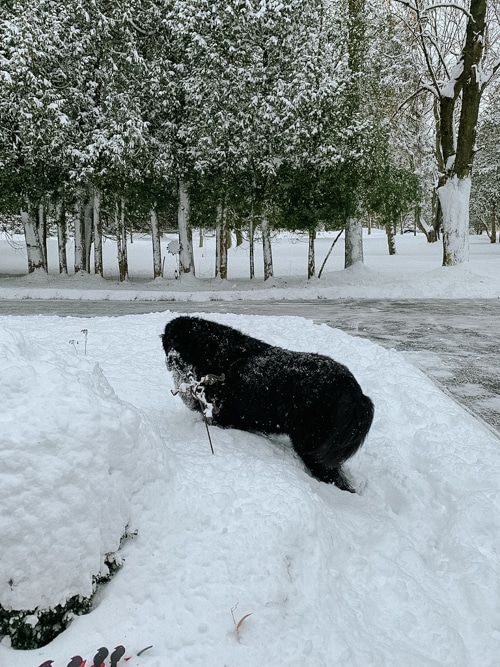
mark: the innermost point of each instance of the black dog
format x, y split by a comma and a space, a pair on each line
244, 383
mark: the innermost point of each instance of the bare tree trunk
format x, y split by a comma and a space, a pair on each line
87, 232
251, 241
353, 242
389, 230
98, 261
121, 240
42, 233
266, 248
311, 259
80, 236
221, 244
329, 252
493, 236
83, 231
62, 236
33, 244
156, 240
186, 258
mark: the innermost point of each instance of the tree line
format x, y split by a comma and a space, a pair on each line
244, 114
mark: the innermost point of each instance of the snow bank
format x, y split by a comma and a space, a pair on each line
405, 572
72, 456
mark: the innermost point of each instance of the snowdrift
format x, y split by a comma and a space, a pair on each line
405, 572
72, 458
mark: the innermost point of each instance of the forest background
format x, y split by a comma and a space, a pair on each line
248, 117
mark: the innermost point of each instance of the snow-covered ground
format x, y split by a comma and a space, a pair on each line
405, 572
415, 271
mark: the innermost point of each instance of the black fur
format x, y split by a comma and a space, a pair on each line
310, 397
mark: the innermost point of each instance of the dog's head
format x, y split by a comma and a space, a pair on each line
207, 346
185, 338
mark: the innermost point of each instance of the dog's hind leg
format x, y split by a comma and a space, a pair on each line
328, 475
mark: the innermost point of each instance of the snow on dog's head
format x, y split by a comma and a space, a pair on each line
72, 456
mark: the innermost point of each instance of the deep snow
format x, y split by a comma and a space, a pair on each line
406, 572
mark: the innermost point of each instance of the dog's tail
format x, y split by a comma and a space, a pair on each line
351, 423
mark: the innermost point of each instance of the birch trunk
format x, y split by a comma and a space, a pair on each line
33, 245
156, 240
266, 248
121, 240
353, 242
98, 262
62, 237
186, 258
311, 259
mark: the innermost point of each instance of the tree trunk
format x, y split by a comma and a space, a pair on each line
156, 240
88, 223
389, 230
493, 236
454, 196
458, 155
311, 259
266, 248
42, 233
62, 236
83, 232
330, 252
353, 242
33, 244
121, 240
98, 261
79, 240
251, 246
221, 244
186, 258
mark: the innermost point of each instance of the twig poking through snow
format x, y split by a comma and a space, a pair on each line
237, 625
196, 388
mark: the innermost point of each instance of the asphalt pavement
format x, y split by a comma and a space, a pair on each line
456, 342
